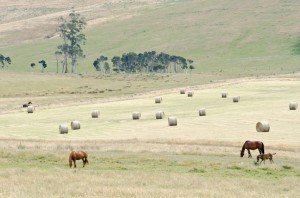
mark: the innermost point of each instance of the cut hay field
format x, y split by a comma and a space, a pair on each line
148, 158
260, 99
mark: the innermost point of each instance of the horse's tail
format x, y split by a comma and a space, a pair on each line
262, 148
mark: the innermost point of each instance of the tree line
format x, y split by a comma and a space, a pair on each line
149, 62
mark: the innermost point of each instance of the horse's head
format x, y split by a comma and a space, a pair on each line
242, 153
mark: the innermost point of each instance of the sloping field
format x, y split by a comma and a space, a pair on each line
148, 158
232, 38
261, 99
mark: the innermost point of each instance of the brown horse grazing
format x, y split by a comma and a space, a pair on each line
252, 145
264, 157
78, 155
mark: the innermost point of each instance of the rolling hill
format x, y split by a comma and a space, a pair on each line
228, 38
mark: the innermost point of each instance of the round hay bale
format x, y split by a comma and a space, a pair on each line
75, 125
293, 105
172, 121
182, 91
236, 99
263, 126
158, 99
202, 112
190, 94
160, 115
95, 114
30, 109
63, 128
224, 95
136, 115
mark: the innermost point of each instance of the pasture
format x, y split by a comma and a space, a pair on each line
148, 158
228, 38
248, 49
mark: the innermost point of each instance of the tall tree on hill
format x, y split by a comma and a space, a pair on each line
4, 60
58, 56
70, 30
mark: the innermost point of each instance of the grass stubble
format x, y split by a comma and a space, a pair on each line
40, 169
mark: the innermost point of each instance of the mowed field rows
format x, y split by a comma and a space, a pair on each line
260, 99
148, 158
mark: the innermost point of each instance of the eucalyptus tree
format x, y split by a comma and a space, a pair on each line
58, 57
116, 60
70, 30
4, 60
44, 65
97, 63
190, 62
106, 67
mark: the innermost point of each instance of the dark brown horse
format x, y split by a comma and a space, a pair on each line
78, 155
252, 145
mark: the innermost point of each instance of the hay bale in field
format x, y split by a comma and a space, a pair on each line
63, 128
172, 121
95, 114
236, 99
160, 115
30, 109
158, 99
190, 94
202, 112
263, 126
224, 95
75, 125
182, 91
136, 115
293, 105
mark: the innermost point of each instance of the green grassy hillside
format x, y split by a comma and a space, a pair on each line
240, 38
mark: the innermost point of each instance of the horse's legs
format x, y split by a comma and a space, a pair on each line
86, 161
260, 151
74, 163
83, 162
249, 154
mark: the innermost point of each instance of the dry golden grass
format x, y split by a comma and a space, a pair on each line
135, 168
89, 184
